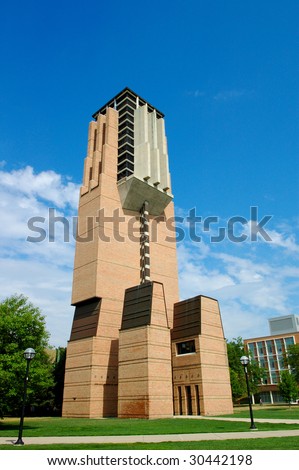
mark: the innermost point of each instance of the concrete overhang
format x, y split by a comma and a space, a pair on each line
133, 192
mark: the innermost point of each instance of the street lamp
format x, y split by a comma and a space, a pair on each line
245, 361
29, 354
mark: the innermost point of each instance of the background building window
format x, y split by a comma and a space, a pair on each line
278, 343
289, 341
261, 348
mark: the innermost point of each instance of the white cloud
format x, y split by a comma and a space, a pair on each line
47, 286
42, 271
243, 270
46, 185
239, 321
275, 238
284, 241
195, 277
252, 281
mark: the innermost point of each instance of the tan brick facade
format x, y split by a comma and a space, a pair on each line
145, 371
201, 377
127, 372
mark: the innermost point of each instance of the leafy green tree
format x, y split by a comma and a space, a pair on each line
22, 326
235, 350
59, 369
288, 387
292, 360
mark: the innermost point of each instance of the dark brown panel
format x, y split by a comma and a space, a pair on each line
86, 319
137, 306
187, 318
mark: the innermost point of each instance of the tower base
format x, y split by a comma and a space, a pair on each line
144, 368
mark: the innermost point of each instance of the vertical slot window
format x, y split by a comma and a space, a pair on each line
95, 138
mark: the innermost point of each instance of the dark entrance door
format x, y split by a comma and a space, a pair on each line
197, 399
189, 400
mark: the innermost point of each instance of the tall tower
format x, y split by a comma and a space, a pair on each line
125, 280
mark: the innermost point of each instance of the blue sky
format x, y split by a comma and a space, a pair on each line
225, 73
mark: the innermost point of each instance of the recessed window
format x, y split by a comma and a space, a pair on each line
125, 140
187, 347
125, 117
126, 148
124, 174
125, 124
95, 140
124, 165
125, 132
126, 156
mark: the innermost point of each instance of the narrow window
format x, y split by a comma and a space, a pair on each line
95, 140
104, 134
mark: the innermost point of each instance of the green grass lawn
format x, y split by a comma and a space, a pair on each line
265, 411
35, 427
275, 443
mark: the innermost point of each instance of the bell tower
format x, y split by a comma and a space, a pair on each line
125, 279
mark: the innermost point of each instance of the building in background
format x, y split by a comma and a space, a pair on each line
135, 350
269, 352
285, 324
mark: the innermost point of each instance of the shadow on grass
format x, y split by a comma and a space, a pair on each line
13, 427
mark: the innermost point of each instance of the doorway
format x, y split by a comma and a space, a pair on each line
188, 399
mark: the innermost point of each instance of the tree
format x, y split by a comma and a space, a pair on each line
292, 360
23, 326
59, 369
288, 387
235, 350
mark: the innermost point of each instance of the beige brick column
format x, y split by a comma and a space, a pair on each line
145, 371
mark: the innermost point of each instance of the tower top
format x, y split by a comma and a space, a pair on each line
131, 96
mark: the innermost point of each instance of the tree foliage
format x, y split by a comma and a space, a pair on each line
292, 360
235, 350
288, 387
22, 326
59, 370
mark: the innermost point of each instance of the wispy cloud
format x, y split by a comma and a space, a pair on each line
229, 95
252, 281
221, 95
196, 93
280, 237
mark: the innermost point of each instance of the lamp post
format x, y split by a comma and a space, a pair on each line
29, 354
245, 361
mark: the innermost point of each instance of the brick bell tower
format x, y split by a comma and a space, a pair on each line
125, 279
